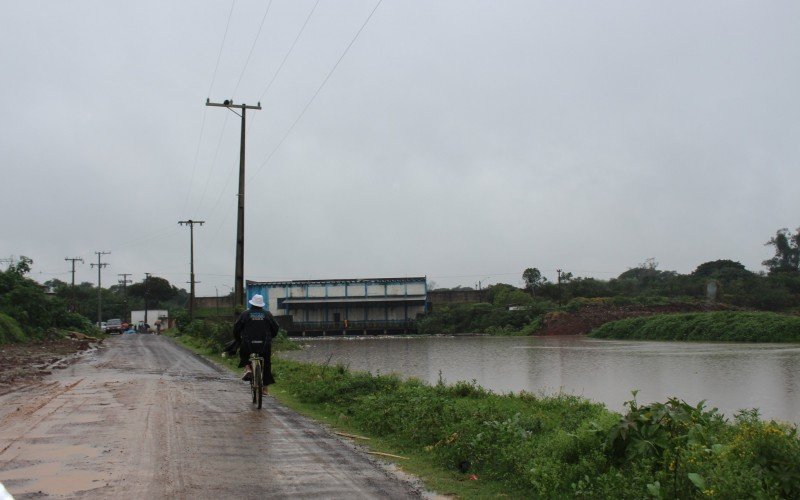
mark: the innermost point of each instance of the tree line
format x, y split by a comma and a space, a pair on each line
28, 310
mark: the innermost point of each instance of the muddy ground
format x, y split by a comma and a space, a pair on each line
592, 316
141, 417
25, 364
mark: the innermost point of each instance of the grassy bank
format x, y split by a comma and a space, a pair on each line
472, 443
735, 326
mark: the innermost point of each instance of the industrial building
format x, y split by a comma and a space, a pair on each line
344, 306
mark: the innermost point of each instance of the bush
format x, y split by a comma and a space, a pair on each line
10, 330
560, 446
476, 318
737, 326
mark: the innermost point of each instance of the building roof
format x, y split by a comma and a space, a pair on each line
346, 281
297, 302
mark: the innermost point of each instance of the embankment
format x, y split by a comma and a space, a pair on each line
734, 326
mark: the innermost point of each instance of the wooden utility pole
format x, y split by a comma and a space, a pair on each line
191, 224
124, 282
146, 295
72, 289
73, 259
238, 293
100, 266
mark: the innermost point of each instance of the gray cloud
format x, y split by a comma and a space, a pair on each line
459, 140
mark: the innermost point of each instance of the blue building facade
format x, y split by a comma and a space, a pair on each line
344, 306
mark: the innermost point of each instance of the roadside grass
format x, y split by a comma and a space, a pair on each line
526, 446
419, 464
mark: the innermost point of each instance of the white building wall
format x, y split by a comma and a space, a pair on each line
399, 289
377, 290
336, 291
416, 288
355, 290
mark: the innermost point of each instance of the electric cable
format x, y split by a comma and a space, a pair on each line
289, 52
205, 111
247, 61
313, 97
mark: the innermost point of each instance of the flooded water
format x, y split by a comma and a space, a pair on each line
728, 376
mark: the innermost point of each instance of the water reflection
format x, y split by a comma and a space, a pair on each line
728, 376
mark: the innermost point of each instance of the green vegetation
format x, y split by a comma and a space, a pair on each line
10, 330
554, 447
736, 326
544, 447
118, 301
26, 312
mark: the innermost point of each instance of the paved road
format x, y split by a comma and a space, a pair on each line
142, 417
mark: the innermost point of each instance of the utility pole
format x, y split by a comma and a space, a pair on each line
73, 259
559, 286
191, 224
238, 294
100, 266
72, 289
146, 294
124, 282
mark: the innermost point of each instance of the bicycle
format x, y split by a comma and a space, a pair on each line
257, 382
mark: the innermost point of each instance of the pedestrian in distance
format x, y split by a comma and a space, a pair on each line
253, 332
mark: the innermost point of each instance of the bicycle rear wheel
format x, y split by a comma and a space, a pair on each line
258, 383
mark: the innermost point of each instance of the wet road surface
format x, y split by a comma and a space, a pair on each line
142, 417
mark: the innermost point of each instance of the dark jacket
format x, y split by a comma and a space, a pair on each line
255, 324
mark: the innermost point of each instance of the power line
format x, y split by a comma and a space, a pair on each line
303, 112
269, 85
222, 45
288, 53
205, 111
214, 162
247, 61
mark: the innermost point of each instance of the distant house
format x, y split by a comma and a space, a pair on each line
344, 306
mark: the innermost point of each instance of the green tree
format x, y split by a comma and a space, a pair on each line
717, 268
787, 252
155, 289
25, 301
533, 279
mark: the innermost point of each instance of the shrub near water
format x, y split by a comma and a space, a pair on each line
560, 446
713, 326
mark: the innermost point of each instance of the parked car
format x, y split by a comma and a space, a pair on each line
101, 326
114, 326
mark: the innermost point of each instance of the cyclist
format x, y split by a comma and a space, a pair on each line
254, 330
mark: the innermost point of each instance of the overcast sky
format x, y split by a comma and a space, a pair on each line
461, 140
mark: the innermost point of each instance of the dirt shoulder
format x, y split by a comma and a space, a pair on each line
23, 364
591, 316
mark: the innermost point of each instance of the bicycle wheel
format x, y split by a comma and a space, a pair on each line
253, 388
258, 383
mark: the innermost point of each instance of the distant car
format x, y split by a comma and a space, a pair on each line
114, 326
102, 326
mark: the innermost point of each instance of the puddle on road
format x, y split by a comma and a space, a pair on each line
49, 479
44, 451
